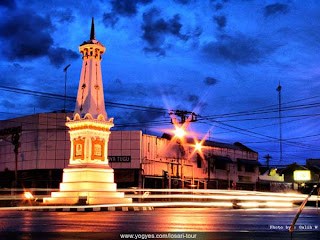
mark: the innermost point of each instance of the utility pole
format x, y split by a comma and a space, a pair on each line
184, 116
280, 123
65, 86
267, 157
15, 134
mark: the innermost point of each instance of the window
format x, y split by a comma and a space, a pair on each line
199, 161
249, 168
244, 179
97, 150
78, 150
239, 167
221, 165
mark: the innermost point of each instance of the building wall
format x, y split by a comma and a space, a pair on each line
125, 143
45, 144
162, 155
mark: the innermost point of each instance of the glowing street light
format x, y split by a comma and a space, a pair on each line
180, 132
198, 146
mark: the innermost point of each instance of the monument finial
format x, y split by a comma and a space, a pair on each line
92, 34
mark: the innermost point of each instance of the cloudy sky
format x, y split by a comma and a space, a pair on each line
222, 59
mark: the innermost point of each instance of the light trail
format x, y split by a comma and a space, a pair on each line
157, 204
267, 204
28, 189
205, 191
214, 191
219, 197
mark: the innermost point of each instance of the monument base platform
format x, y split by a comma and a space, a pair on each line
87, 186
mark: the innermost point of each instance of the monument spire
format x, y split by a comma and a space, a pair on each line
92, 34
90, 98
88, 178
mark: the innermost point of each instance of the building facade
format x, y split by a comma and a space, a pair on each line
139, 160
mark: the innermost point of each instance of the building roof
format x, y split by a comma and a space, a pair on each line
249, 162
222, 159
235, 146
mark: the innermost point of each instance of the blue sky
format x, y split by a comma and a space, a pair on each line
213, 57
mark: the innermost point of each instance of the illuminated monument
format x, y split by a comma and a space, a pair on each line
88, 177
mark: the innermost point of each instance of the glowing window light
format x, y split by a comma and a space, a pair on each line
301, 175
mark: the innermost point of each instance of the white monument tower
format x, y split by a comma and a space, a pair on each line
88, 177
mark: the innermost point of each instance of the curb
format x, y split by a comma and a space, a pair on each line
92, 209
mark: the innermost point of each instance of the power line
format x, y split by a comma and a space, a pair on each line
268, 118
263, 110
68, 98
259, 135
145, 108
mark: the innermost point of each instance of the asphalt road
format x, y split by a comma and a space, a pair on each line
206, 223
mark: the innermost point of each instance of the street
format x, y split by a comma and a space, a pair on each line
203, 221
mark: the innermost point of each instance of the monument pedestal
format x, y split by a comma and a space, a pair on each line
88, 185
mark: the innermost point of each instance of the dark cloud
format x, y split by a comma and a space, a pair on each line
182, 1
193, 99
240, 49
26, 35
137, 119
142, 116
159, 51
122, 8
59, 56
276, 8
8, 104
127, 8
119, 88
155, 29
13, 73
224, 1
110, 19
221, 21
10, 4
65, 16
17, 66
118, 81
169, 89
210, 81
218, 6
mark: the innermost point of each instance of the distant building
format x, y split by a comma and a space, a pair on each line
44, 150
313, 164
139, 160
299, 184
271, 180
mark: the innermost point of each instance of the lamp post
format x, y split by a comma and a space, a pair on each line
15, 140
65, 86
179, 134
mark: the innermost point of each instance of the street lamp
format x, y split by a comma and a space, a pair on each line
65, 86
179, 132
198, 146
